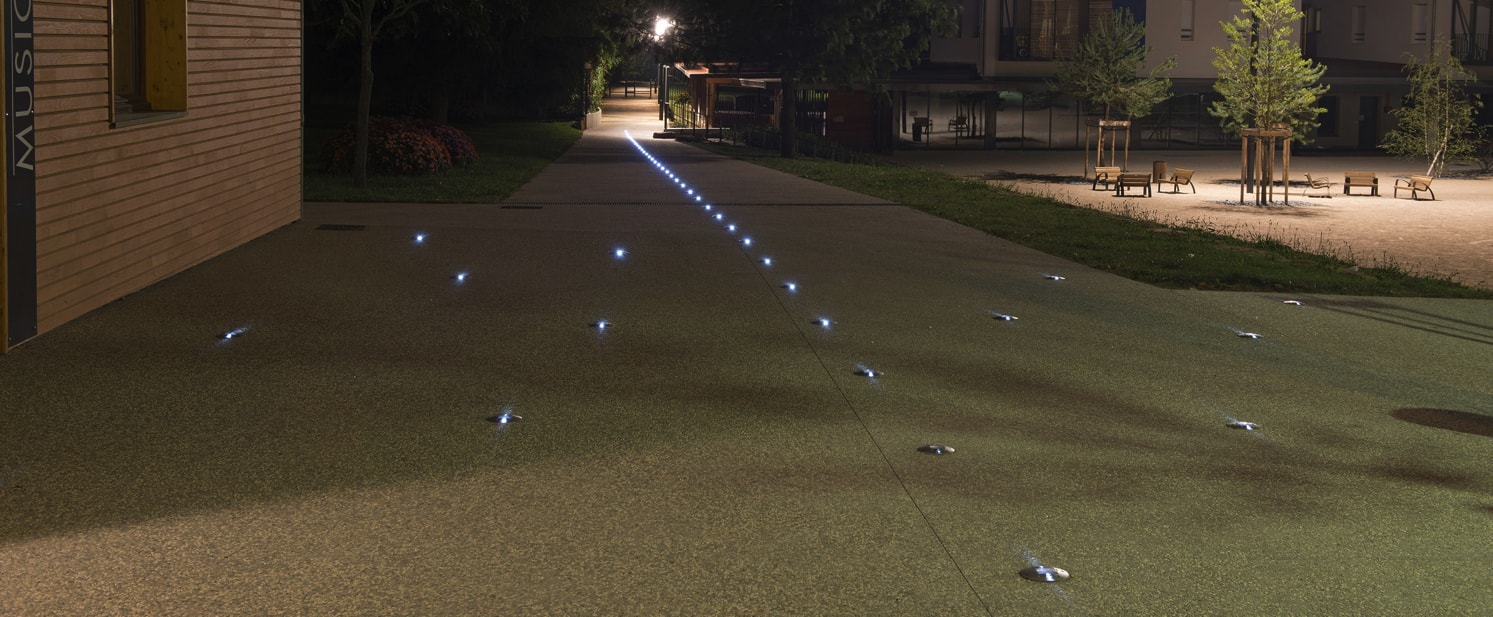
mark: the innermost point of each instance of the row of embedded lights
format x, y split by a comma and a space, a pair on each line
1034, 572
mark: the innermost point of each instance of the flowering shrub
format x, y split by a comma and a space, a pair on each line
401, 147
457, 144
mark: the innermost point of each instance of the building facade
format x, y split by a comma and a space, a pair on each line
145, 137
987, 86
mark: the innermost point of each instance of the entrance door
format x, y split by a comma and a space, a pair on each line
1368, 122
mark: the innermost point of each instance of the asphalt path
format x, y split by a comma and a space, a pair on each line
719, 446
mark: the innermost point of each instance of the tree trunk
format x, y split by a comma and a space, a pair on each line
365, 97
788, 124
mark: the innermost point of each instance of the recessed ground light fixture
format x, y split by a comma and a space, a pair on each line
690, 192
719, 216
419, 238
746, 241
504, 418
1242, 425
1044, 574
766, 261
1003, 316
731, 228
1054, 277
708, 207
1248, 335
602, 325
791, 287
824, 322
1292, 302
936, 448
232, 334
699, 199
459, 277
866, 372
619, 253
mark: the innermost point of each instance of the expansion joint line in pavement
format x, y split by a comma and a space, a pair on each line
744, 244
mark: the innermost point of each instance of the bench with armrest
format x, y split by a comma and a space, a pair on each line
1318, 183
1361, 179
1127, 181
958, 125
1179, 179
1414, 184
1105, 176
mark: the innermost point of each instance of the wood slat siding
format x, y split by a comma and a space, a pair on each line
122, 208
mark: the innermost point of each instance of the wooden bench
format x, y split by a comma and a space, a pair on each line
1127, 181
958, 125
1414, 184
1318, 183
630, 88
1179, 179
1106, 175
1361, 179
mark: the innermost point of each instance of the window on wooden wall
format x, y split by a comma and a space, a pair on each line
148, 58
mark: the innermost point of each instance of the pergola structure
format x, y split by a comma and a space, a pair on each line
1263, 177
1104, 130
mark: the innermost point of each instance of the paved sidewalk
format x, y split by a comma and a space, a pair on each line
717, 450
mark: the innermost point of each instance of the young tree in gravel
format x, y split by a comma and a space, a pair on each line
1105, 71
1265, 82
1262, 76
1438, 121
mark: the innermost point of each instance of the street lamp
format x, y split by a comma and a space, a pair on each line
661, 28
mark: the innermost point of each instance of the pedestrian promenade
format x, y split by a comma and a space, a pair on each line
599, 398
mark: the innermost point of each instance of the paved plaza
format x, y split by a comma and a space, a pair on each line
693, 429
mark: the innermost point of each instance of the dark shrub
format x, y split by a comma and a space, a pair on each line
394, 147
457, 144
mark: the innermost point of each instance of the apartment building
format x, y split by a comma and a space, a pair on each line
145, 137
987, 85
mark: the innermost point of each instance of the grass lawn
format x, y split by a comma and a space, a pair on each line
1163, 255
509, 154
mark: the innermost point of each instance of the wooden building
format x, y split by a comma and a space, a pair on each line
143, 137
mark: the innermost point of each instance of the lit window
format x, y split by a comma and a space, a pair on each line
148, 54
1419, 25
1186, 14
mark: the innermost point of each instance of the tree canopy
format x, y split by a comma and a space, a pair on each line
1105, 70
1263, 78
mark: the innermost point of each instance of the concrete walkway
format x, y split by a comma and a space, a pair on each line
716, 450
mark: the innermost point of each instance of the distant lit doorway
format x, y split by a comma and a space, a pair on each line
1368, 122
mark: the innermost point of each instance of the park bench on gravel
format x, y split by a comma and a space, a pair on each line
1128, 181
1105, 176
1318, 183
1414, 184
1179, 179
1361, 179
